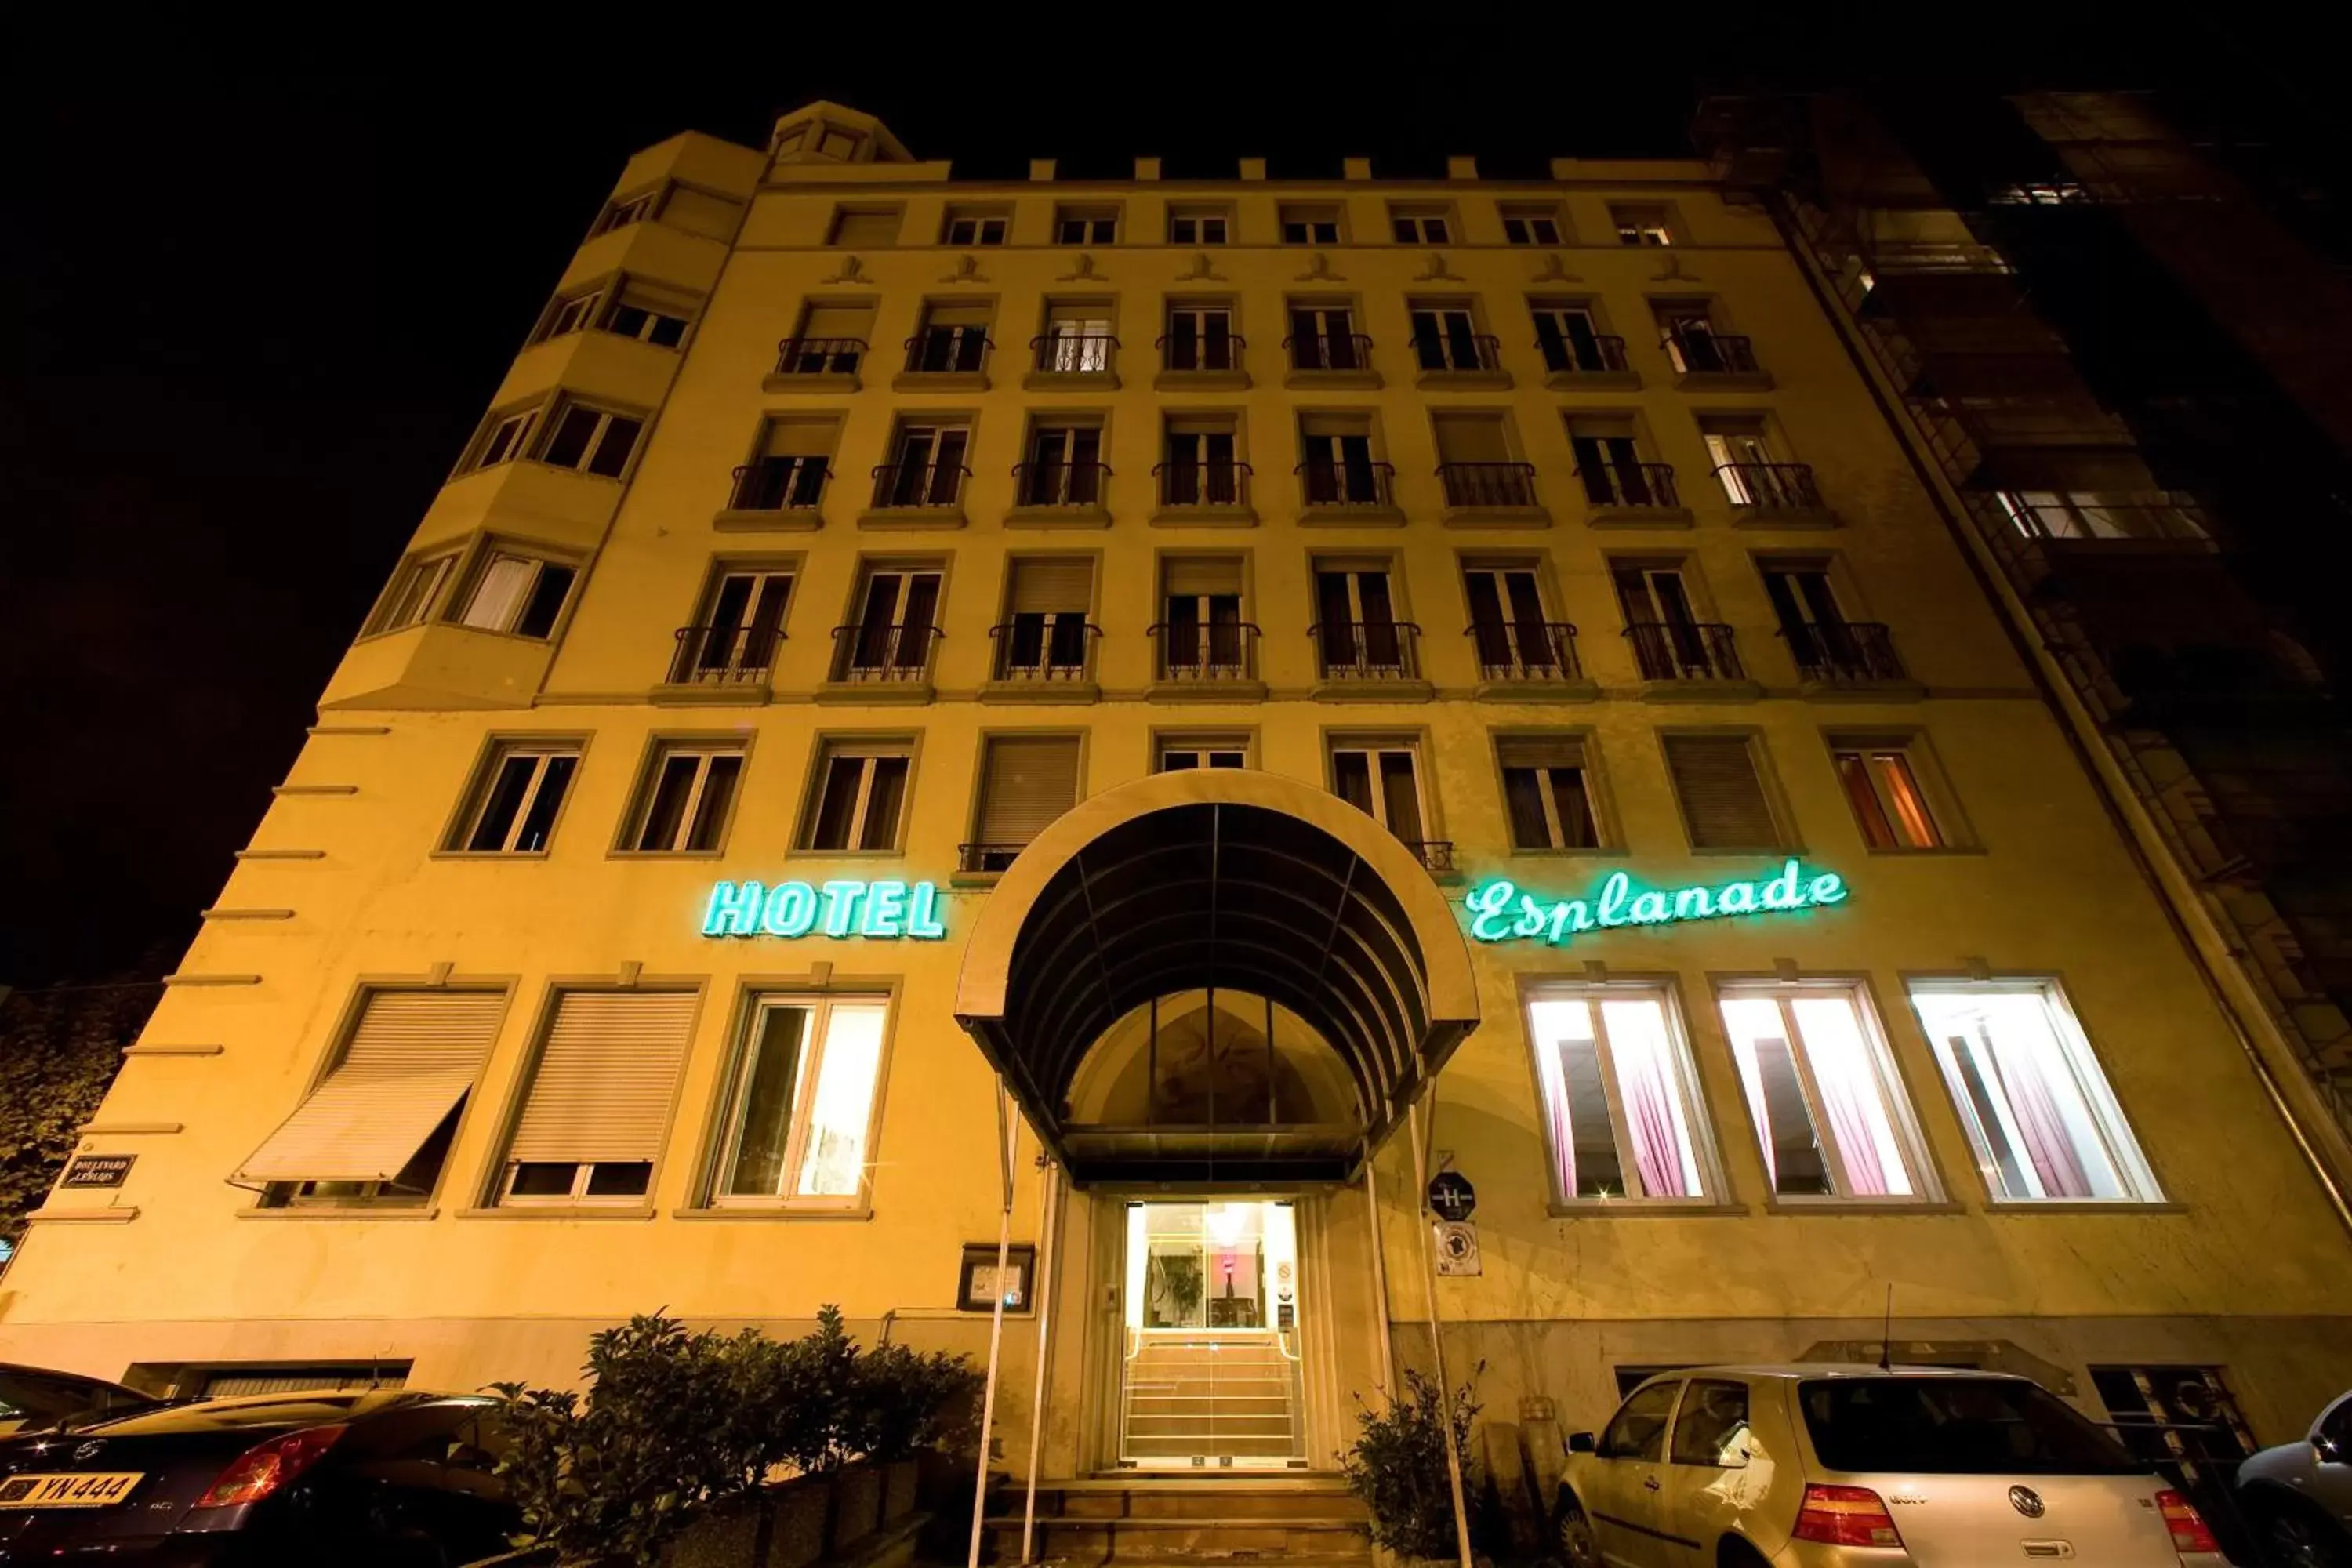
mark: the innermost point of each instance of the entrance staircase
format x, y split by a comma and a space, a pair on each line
1207, 1398
1186, 1520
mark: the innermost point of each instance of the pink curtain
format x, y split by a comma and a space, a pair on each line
1650, 1121
1850, 1125
2035, 1108
1563, 1132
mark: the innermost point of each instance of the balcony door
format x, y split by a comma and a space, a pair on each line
744, 620
1356, 620
1667, 643
894, 621
1508, 620
1807, 609
1383, 782
1323, 337
929, 467
1200, 338
1201, 470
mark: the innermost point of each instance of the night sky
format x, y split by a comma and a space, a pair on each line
255, 302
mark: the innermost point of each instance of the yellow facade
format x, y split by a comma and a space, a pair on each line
2235, 1259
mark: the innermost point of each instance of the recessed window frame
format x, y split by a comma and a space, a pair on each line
414, 595
1374, 745
1702, 1162
1523, 223
623, 210
505, 434
643, 796
729, 1104
1201, 744
844, 217
546, 603
867, 748
971, 226
1759, 758
607, 419
1087, 223
1645, 224
1928, 777
482, 788
655, 304
1423, 223
501, 1179
1591, 780
1192, 223
1312, 222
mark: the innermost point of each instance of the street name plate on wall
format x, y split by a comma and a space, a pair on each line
98, 1170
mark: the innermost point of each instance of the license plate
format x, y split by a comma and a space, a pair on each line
84, 1488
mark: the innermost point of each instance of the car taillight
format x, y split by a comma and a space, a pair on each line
2189, 1532
264, 1468
1845, 1516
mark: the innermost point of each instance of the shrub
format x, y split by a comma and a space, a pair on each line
1397, 1466
906, 1402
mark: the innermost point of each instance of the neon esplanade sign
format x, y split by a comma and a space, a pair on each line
1500, 911
837, 909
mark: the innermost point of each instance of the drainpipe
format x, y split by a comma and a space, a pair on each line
1048, 1227
1380, 1281
1008, 1143
1436, 1341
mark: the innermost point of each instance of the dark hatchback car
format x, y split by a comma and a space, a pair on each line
357, 1480
35, 1399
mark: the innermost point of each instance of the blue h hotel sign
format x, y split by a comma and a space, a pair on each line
827, 909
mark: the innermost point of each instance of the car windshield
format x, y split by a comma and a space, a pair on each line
32, 1402
1954, 1427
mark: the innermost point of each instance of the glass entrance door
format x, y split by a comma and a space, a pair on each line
1209, 1376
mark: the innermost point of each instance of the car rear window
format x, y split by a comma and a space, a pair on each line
1954, 1427
233, 1414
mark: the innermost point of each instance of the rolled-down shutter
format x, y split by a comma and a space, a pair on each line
607, 1077
837, 321
1472, 438
1030, 781
413, 1054
1051, 585
1722, 799
868, 227
1541, 751
1189, 576
701, 212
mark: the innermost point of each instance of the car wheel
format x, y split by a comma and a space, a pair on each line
1578, 1547
2294, 1536
1737, 1553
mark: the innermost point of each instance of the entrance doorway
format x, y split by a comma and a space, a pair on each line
1209, 1369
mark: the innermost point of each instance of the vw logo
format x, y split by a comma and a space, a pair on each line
2026, 1501
87, 1452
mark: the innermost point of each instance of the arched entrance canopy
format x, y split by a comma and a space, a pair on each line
1218, 877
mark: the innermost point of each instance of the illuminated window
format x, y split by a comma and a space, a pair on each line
685, 797
515, 796
599, 1103
1828, 1109
1641, 224
1882, 784
414, 590
2041, 1119
1621, 1107
861, 795
799, 1123
519, 594
1532, 225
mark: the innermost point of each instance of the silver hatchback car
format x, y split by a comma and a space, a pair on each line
1816, 1466
2298, 1496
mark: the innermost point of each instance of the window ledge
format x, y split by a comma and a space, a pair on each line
772, 1211
769, 520
1701, 691
1639, 517
908, 517
1899, 1207
1724, 380
909, 692
1861, 692
1438, 380
1041, 692
1070, 380
342, 1210
1809, 517
973, 879
657, 855
1341, 515
1057, 517
1536, 691
712, 694
2081, 1206
1646, 1209
561, 1211
1200, 381
1299, 380
1591, 380
1205, 517
1495, 517
827, 381
120, 1213
1205, 691
939, 381
1382, 691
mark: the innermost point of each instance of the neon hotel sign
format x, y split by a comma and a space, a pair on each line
1500, 911
842, 907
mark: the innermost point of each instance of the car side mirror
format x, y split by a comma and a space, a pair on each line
1579, 1442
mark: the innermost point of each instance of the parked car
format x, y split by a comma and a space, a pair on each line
2297, 1497
1812, 1466
34, 1399
356, 1479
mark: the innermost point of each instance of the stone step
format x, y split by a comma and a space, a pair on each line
1219, 1496
1155, 1540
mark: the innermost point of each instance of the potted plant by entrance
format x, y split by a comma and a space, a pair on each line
1397, 1466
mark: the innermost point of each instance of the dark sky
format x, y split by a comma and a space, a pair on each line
258, 290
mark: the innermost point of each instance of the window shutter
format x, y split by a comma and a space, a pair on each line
1471, 438
606, 1076
1189, 576
1030, 781
957, 316
1541, 751
303, 1380
699, 212
1051, 585
1600, 427
837, 320
800, 438
413, 1054
876, 228
1723, 798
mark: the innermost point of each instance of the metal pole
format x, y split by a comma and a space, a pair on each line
1049, 1254
1380, 1282
1436, 1341
1008, 1142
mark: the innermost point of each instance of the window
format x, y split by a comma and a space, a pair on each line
1323, 337
1829, 1116
2041, 1119
861, 795
1696, 345
1530, 223
571, 313
684, 798
1382, 780
953, 338
1515, 638
623, 211
735, 634
1609, 461
872, 227
652, 315
1445, 336
1721, 791
1203, 467
517, 793
1476, 465
1201, 624
1545, 793
975, 225
589, 439
894, 632
2100, 514
800, 1112
516, 594
1711, 1428
835, 142
1304, 224
830, 340
1085, 226
1200, 337
1882, 780
1336, 461
926, 466
1197, 224
1641, 223
1619, 1102
1078, 338
1356, 628
1045, 632
705, 213
789, 472
377, 1128
1176, 754
1638, 1430
1569, 336
1420, 225
1025, 782
599, 1098
502, 437
415, 586
1670, 642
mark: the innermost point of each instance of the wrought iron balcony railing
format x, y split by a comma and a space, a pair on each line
1498, 484
1346, 484
1059, 484
1845, 653
718, 654
1456, 351
1367, 650
1629, 484
940, 351
880, 650
1703, 350
1769, 487
974, 859
1074, 353
1204, 650
1684, 650
1329, 351
1436, 854
1183, 352
1575, 353
1524, 651
820, 356
1202, 484
780, 484
1059, 646
2059, 514
903, 484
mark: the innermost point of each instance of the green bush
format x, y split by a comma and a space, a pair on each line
1397, 1466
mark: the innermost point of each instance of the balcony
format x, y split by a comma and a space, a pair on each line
1214, 661
1202, 493
1072, 360
728, 663
945, 359
1376, 661
986, 859
1852, 657
1527, 660
1696, 659
1331, 359
1458, 359
1343, 493
1707, 361
1633, 495
1491, 495
1208, 364
775, 493
2097, 518
1043, 658
816, 365
1059, 495
916, 495
1773, 495
1577, 362
879, 662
